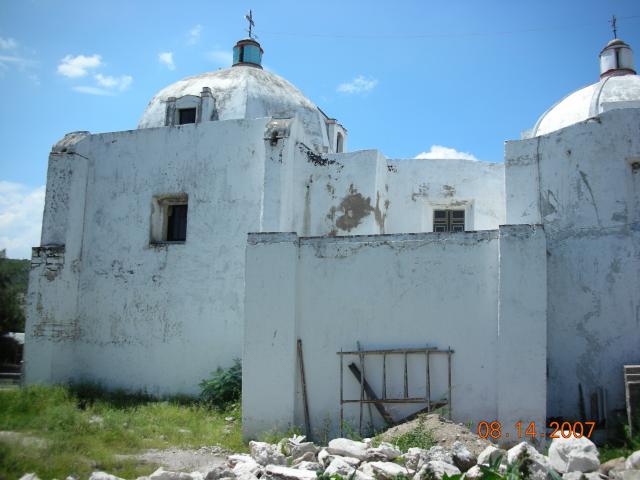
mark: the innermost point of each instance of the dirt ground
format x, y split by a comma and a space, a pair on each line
445, 432
202, 459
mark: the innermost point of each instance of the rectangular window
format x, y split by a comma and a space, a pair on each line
186, 115
176, 223
169, 218
448, 220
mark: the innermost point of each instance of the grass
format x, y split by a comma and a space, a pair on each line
621, 448
418, 437
84, 429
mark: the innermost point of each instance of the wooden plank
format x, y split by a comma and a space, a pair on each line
373, 398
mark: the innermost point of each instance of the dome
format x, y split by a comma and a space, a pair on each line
619, 87
608, 94
243, 91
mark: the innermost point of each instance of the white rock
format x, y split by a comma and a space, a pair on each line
490, 454
474, 473
162, 474
438, 454
307, 457
572, 476
348, 448
436, 469
573, 455
300, 449
267, 454
412, 457
538, 464
626, 475
462, 457
387, 470
633, 461
33, 476
385, 452
99, 476
246, 468
233, 460
583, 476
366, 469
304, 465
615, 464
328, 458
339, 466
286, 473
218, 472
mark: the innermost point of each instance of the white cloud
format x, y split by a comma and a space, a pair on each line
360, 84
221, 57
8, 44
20, 218
19, 62
441, 152
106, 85
89, 90
194, 35
114, 83
167, 59
78, 66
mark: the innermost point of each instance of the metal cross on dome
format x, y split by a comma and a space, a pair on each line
249, 17
613, 23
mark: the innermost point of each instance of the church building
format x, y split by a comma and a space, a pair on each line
234, 223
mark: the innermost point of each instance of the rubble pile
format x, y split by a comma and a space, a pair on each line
296, 459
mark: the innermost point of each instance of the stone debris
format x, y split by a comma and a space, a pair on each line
491, 454
574, 455
462, 456
102, 476
537, 463
297, 459
348, 448
387, 470
435, 469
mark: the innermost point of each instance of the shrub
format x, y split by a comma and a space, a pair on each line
224, 387
418, 437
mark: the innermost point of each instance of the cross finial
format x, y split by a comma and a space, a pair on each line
614, 27
249, 17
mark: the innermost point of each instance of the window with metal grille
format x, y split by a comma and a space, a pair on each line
186, 115
176, 223
448, 220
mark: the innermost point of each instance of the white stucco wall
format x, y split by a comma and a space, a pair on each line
155, 317
580, 183
392, 291
364, 193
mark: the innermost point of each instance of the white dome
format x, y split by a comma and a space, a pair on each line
608, 94
242, 92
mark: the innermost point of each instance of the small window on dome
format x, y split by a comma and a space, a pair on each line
186, 115
339, 143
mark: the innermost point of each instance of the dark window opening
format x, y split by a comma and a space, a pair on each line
186, 115
339, 143
176, 223
448, 220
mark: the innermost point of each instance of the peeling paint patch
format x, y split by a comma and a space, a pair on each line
448, 191
354, 207
593, 200
548, 203
316, 158
378, 214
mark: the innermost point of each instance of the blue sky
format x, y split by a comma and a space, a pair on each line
401, 76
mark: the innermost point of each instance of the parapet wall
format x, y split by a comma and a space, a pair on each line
482, 294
